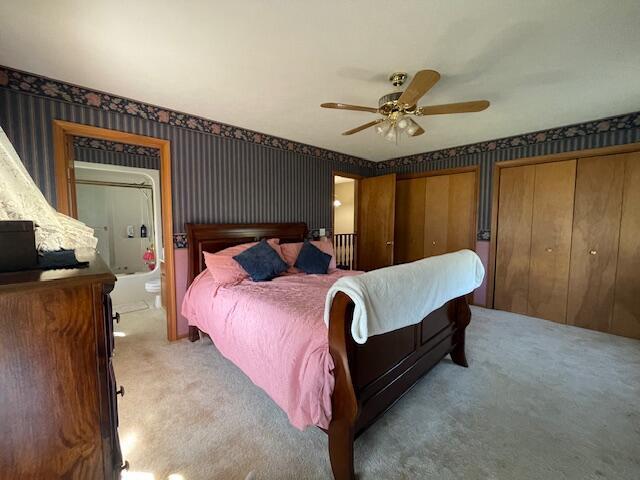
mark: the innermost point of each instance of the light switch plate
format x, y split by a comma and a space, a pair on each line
322, 232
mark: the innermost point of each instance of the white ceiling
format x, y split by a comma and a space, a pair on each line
267, 65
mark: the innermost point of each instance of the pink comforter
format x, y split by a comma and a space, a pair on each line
275, 332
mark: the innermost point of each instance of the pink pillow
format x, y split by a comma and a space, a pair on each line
290, 252
225, 270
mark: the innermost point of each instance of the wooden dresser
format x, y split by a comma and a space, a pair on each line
58, 395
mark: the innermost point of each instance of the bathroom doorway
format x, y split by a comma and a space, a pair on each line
120, 185
122, 205
345, 195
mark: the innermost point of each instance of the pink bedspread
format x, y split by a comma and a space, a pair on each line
274, 331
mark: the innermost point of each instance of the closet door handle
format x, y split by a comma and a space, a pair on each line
593, 252
116, 317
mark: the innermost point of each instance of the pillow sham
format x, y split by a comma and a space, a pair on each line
261, 262
312, 260
290, 252
224, 269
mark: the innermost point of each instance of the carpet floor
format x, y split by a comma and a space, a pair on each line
539, 401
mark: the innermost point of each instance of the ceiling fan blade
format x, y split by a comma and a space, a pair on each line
363, 127
345, 106
462, 107
422, 82
420, 131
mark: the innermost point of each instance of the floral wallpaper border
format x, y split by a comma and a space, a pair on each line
46, 87
619, 122
107, 145
43, 86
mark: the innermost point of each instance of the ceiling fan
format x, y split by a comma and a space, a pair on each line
398, 107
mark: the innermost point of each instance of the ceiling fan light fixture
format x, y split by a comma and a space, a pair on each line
392, 134
403, 123
412, 127
383, 127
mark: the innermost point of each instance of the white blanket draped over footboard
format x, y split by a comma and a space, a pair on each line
395, 297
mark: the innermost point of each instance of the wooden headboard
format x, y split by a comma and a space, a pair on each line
213, 237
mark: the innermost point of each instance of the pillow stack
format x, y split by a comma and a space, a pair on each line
262, 261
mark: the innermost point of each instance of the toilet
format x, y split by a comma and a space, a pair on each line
153, 286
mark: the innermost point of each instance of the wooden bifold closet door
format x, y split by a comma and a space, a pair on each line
435, 215
535, 219
626, 311
568, 242
596, 232
409, 234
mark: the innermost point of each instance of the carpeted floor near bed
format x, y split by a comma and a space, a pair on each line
539, 401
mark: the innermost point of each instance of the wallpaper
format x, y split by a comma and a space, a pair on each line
114, 157
214, 178
222, 173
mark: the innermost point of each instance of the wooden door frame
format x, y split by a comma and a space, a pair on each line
63, 133
495, 195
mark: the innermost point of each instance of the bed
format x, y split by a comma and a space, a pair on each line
365, 379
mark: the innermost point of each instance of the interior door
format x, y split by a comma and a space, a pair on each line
513, 253
594, 249
436, 223
462, 208
376, 215
551, 240
626, 313
409, 222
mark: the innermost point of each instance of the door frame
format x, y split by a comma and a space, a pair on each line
63, 133
495, 194
356, 178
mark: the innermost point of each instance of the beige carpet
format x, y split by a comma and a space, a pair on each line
539, 401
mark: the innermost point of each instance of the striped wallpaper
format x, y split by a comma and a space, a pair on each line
486, 160
214, 178
110, 157
220, 178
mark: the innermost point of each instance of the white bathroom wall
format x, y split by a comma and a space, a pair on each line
127, 208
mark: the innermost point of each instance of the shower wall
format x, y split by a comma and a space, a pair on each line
110, 211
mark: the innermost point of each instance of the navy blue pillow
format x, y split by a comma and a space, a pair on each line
261, 262
312, 260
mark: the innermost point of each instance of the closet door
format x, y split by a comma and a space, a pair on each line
626, 312
551, 240
462, 208
436, 224
594, 250
410, 214
515, 211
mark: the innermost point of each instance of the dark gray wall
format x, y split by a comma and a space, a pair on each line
215, 179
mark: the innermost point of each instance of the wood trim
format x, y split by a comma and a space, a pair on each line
442, 171
555, 157
65, 191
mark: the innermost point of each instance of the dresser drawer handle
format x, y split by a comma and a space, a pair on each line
116, 317
125, 465
120, 391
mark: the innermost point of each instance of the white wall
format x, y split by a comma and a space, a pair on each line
94, 208
344, 215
